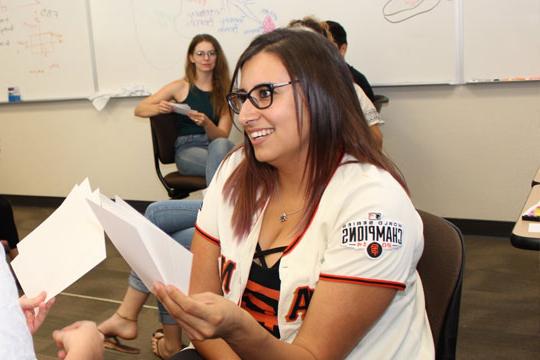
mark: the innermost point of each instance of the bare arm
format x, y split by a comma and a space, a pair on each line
330, 330
205, 277
158, 103
377, 135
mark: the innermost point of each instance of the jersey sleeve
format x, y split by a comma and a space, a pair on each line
375, 239
207, 221
370, 112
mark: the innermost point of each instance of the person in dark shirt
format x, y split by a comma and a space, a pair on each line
8, 231
340, 38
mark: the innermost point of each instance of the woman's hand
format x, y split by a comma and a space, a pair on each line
199, 118
80, 340
202, 316
35, 310
165, 107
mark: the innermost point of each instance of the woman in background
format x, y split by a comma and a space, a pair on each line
203, 131
201, 145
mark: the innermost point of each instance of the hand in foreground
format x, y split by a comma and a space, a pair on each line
202, 316
198, 118
35, 310
165, 107
80, 340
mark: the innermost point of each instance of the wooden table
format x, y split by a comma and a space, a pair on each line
521, 236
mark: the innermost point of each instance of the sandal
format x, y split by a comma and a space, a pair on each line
158, 335
112, 342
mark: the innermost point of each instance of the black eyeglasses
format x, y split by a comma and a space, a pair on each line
261, 96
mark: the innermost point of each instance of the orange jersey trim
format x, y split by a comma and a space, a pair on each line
296, 241
207, 236
362, 281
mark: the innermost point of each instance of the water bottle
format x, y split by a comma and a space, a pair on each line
13, 94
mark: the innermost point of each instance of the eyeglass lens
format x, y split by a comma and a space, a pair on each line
210, 53
261, 96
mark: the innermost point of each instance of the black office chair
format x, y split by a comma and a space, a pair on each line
163, 131
379, 100
441, 271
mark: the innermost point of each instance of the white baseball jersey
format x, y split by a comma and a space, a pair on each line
365, 231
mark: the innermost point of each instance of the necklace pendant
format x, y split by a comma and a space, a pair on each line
283, 217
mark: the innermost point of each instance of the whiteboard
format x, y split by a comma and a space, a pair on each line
501, 40
45, 49
393, 42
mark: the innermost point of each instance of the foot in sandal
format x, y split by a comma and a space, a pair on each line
119, 327
161, 347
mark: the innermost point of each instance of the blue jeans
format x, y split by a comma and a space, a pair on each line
196, 156
177, 218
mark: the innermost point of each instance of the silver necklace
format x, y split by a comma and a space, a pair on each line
284, 216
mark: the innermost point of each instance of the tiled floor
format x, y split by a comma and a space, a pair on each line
500, 309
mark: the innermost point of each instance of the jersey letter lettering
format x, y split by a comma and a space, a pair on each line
300, 303
227, 269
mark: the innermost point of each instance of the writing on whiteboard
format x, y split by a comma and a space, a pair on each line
397, 11
181, 20
32, 35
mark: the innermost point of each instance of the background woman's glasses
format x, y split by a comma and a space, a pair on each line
203, 54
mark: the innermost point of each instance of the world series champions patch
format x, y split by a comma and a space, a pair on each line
374, 234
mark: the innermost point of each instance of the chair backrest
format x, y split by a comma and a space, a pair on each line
441, 271
164, 135
379, 100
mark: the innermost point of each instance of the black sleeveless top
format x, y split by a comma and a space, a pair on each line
261, 296
197, 100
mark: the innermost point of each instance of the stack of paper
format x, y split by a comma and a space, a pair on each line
70, 242
67, 245
149, 251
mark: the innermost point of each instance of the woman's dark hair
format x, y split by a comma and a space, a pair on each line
221, 78
337, 124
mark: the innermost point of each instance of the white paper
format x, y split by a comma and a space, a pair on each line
67, 245
70, 242
183, 109
534, 227
149, 251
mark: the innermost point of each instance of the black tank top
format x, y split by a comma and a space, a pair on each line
261, 296
198, 100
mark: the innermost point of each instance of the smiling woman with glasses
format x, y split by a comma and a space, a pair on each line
307, 241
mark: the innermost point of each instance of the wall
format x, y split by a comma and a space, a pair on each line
467, 151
